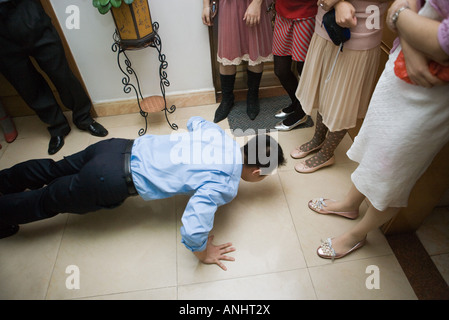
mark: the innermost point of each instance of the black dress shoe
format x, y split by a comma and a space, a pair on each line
8, 230
55, 144
96, 129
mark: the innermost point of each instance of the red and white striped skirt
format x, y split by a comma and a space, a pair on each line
292, 37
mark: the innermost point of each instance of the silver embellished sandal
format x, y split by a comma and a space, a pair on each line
326, 251
319, 206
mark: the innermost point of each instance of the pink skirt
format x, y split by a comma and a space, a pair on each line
238, 42
292, 37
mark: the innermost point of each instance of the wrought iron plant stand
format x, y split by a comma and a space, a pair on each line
148, 104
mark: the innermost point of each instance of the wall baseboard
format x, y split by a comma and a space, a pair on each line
117, 107
127, 106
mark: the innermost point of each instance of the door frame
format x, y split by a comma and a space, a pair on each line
11, 100
269, 87
46, 4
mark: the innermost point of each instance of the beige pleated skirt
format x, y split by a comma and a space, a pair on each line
340, 87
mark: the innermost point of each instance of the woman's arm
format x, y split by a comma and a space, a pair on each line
206, 13
252, 14
422, 34
345, 14
329, 4
417, 65
419, 32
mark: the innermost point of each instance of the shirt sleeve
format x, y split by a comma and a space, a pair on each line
198, 217
194, 123
443, 29
443, 35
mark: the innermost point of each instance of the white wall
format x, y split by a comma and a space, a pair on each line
185, 43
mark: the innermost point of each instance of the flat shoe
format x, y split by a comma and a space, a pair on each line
326, 251
282, 114
318, 205
303, 168
299, 154
282, 127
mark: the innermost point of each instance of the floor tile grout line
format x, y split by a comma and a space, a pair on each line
120, 292
343, 260
56, 258
242, 276
291, 217
297, 237
313, 284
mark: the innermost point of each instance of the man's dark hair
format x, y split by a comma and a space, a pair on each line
263, 151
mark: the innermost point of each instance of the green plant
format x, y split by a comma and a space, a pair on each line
104, 6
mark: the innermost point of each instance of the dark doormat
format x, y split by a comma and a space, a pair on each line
242, 125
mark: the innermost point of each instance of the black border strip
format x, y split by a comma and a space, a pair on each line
419, 268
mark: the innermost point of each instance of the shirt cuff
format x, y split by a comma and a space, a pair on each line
194, 248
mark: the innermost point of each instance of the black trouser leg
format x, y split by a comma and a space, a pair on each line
86, 181
33, 174
34, 90
49, 54
38, 38
18, 206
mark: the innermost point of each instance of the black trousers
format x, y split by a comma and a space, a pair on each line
26, 30
86, 181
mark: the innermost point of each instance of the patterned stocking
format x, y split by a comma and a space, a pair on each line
327, 151
318, 137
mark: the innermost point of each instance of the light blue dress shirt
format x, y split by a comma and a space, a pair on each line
203, 162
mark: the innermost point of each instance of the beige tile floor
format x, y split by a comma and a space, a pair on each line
134, 251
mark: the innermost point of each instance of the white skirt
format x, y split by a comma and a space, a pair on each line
404, 129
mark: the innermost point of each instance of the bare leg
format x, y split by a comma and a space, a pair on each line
373, 219
351, 202
327, 151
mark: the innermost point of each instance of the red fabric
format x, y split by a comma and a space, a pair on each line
294, 9
441, 72
292, 37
